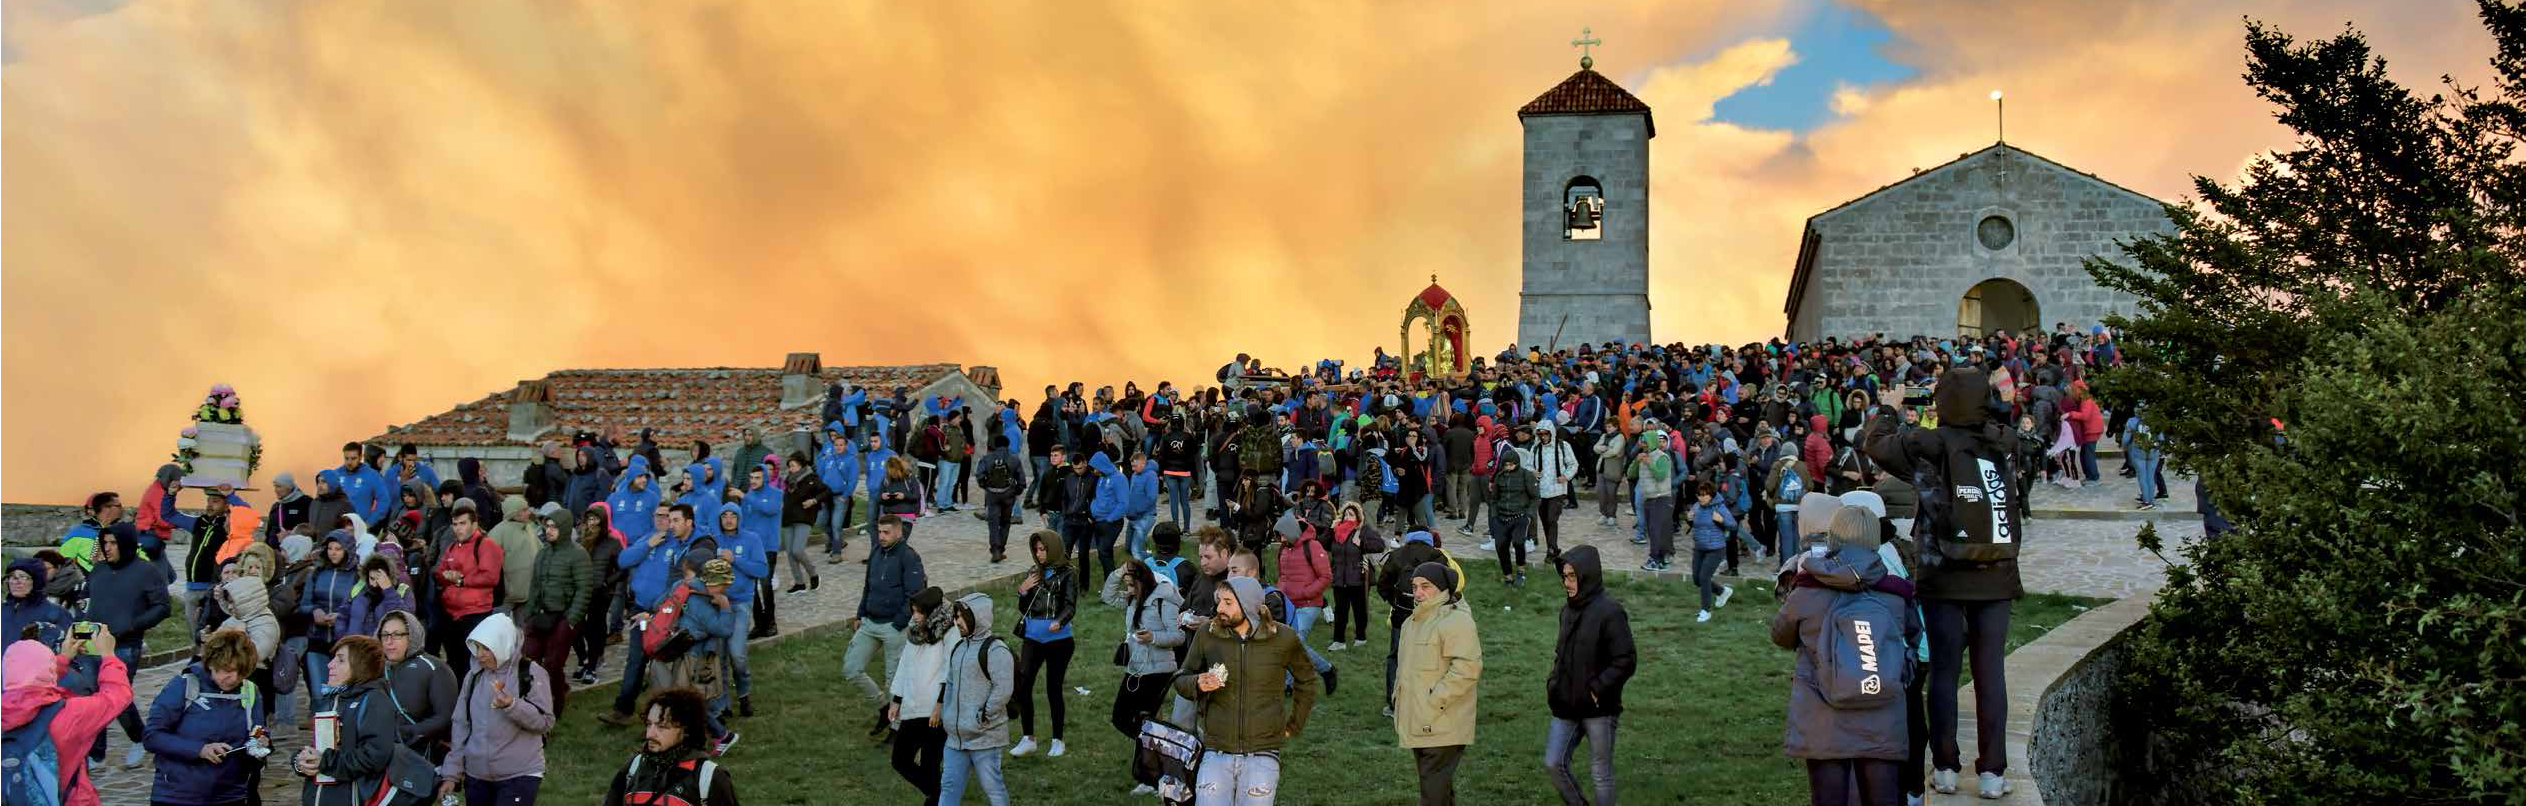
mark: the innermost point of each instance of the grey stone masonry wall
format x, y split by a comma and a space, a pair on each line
1899, 261
1601, 286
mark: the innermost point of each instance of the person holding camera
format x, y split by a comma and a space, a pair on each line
36, 701
206, 727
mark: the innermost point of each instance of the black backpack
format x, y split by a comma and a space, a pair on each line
996, 473
1970, 511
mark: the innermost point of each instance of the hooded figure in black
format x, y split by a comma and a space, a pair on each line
1592, 659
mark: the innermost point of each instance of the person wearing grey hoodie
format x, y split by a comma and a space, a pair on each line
1151, 633
497, 740
973, 706
1234, 674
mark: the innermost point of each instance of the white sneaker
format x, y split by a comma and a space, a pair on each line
1486, 546
1530, 547
1944, 781
1911, 800
1994, 787
1057, 750
133, 756
1144, 789
1705, 616
1724, 593
1334, 647
1607, 521
1025, 745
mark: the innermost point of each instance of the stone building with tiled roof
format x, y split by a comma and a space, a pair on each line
1584, 223
506, 429
1993, 240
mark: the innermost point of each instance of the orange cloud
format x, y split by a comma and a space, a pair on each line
361, 213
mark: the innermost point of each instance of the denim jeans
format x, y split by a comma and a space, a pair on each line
1102, 537
999, 510
1563, 740
943, 496
1639, 524
635, 670
2087, 461
836, 520
1136, 532
1300, 619
314, 679
985, 765
1233, 779
2144, 464
802, 564
1180, 499
867, 640
740, 673
1788, 519
1042, 465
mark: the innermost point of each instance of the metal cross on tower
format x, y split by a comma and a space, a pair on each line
1586, 39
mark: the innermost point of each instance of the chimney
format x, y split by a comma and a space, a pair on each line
530, 411
802, 381
986, 377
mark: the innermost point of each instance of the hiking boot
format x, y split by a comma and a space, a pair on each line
1025, 745
1994, 787
615, 718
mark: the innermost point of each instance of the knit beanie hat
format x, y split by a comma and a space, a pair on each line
1437, 574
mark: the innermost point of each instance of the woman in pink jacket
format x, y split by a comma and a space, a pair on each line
34, 688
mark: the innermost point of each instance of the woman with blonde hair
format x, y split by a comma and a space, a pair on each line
898, 494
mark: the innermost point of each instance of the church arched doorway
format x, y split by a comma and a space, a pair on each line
1994, 305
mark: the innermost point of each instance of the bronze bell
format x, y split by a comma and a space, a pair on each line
1584, 212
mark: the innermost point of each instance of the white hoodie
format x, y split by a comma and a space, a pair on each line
919, 675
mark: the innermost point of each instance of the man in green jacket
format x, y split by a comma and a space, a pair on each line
1512, 491
557, 597
1234, 674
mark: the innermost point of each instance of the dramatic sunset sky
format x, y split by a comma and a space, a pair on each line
361, 213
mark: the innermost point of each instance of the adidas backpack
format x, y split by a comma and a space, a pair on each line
1969, 509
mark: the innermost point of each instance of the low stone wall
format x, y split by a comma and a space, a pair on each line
32, 525
2071, 749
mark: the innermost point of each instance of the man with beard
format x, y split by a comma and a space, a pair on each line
1245, 714
674, 763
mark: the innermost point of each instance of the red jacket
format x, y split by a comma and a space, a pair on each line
478, 560
149, 518
1816, 452
1306, 570
1482, 448
2089, 419
80, 719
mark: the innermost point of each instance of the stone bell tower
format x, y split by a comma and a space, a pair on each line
1586, 213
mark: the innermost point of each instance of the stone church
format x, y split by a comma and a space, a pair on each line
1585, 219
1990, 241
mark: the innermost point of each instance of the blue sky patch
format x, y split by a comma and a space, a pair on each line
1836, 46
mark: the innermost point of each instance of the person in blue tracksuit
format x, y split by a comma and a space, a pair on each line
1110, 506
747, 553
635, 501
761, 512
363, 485
838, 466
708, 480
655, 563
873, 460
1140, 507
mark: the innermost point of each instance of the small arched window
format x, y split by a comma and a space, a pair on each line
1582, 209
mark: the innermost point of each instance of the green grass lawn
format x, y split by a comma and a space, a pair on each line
1702, 722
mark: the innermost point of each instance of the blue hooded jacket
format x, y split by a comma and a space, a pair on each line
751, 546
635, 513
50, 621
652, 569
762, 512
1141, 493
1012, 430
331, 587
838, 469
1113, 495
177, 729
873, 466
367, 491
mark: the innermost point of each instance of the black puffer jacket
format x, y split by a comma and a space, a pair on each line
1962, 414
1593, 657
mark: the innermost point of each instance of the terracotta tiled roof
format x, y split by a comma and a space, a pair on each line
1588, 92
682, 404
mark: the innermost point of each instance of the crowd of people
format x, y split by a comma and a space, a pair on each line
437, 650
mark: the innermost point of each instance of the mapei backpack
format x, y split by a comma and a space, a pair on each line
1969, 510
1862, 661
32, 765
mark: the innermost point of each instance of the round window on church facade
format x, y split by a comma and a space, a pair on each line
1995, 232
